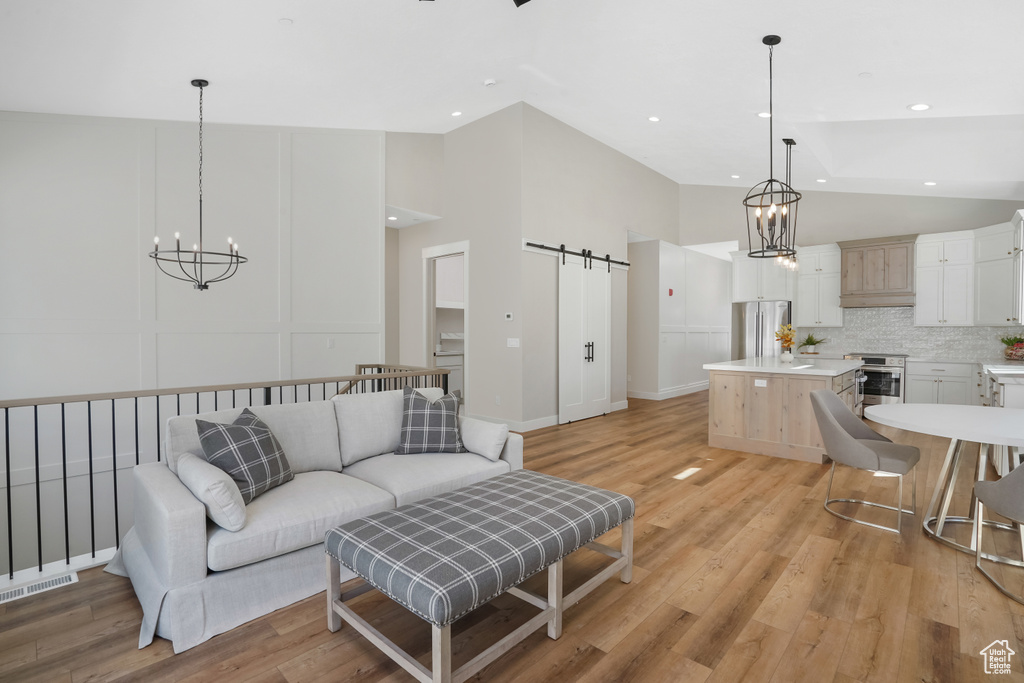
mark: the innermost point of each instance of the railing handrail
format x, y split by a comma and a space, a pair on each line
116, 395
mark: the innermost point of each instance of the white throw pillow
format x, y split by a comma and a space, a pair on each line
215, 489
483, 438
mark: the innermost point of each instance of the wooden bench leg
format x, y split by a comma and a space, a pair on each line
627, 550
555, 600
441, 662
333, 593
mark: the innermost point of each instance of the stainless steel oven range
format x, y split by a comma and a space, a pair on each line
882, 376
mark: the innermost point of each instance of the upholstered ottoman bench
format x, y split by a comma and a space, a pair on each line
443, 557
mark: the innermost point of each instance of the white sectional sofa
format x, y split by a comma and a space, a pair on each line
196, 579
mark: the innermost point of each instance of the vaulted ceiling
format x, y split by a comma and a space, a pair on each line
845, 74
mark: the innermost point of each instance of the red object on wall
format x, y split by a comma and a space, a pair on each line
670, 292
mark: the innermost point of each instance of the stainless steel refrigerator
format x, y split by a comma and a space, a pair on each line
754, 324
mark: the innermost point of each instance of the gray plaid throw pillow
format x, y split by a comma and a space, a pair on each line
429, 427
248, 451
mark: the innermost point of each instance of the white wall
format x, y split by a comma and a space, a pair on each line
415, 172
84, 310
482, 205
643, 315
392, 276
713, 214
677, 333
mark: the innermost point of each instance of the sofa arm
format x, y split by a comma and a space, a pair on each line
171, 525
512, 453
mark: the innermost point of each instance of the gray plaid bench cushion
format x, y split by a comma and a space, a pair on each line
444, 556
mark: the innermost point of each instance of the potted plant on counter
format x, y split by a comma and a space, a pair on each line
785, 336
810, 343
1014, 347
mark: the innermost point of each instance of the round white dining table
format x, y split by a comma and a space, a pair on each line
984, 425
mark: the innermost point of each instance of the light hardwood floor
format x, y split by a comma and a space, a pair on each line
740, 575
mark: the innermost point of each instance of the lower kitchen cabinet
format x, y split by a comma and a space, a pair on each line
948, 383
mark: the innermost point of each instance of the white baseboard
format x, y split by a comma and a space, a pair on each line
669, 393
542, 422
78, 563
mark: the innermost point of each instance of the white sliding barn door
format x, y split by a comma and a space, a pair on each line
584, 339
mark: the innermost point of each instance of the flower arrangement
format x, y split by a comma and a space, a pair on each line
1014, 347
811, 341
785, 335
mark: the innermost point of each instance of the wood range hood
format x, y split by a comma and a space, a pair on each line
877, 272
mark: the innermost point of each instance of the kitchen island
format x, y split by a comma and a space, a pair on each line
763, 405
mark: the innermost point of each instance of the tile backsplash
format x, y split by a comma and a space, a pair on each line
891, 330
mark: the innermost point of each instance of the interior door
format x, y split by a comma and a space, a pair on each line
584, 338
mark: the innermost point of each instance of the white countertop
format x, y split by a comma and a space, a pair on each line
799, 366
1005, 373
981, 424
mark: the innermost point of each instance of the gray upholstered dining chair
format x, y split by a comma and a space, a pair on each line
1004, 496
851, 442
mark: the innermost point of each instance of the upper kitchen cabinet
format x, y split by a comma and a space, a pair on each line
877, 272
945, 279
449, 282
997, 274
760, 279
818, 287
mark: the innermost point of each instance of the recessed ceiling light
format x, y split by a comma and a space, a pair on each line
392, 218
456, 113
919, 107
765, 115
653, 119
865, 74
734, 177
822, 180
929, 183
285, 21
489, 82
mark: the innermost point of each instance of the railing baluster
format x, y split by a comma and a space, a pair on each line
113, 468
10, 484
64, 480
39, 504
136, 430
92, 503
158, 428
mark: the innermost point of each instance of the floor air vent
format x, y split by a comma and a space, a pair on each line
38, 587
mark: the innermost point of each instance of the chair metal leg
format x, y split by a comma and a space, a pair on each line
898, 510
979, 525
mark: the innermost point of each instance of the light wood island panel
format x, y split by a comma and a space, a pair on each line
769, 413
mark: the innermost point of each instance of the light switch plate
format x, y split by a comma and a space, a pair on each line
760, 383
508, 316
513, 342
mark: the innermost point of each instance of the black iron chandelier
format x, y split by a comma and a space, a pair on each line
771, 206
196, 265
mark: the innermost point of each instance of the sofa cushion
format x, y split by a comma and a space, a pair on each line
429, 426
370, 424
482, 437
307, 431
412, 477
248, 451
294, 516
215, 489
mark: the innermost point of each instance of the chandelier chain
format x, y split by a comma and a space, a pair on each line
771, 116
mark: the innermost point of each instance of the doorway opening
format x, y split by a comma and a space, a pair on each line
446, 313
